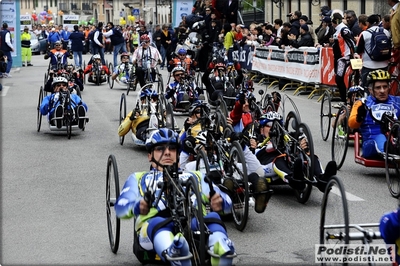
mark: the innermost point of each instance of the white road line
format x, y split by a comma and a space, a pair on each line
349, 196
4, 91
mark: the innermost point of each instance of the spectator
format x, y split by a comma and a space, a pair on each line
352, 22
362, 22
305, 21
325, 32
77, 38
166, 40
6, 47
117, 40
3, 65
135, 39
54, 36
157, 37
294, 20
395, 29
386, 22
268, 36
364, 45
284, 39
278, 27
65, 34
98, 43
26, 50
231, 11
306, 39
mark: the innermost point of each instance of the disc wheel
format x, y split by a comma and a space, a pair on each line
392, 161
195, 229
39, 115
122, 115
112, 193
240, 197
308, 165
340, 137
334, 222
325, 116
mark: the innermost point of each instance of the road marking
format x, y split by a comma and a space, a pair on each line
4, 91
349, 196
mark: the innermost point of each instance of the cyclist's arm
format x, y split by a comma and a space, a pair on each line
128, 199
389, 228
236, 113
226, 200
44, 107
353, 115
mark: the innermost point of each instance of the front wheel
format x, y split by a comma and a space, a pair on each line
325, 116
112, 193
392, 161
340, 137
39, 114
122, 115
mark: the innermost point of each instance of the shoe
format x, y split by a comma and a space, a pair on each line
338, 105
341, 132
178, 248
58, 115
29, 64
81, 113
23, 65
228, 184
330, 170
261, 195
1, 76
7, 75
297, 181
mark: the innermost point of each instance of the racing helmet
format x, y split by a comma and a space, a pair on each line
124, 54
153, 95
220, 65
161, 136
249, 85
59, 79
96, 56
177, 69
268, 118
144, 93
354, 89
199, 104
144, 38
201, 140
182, 51
378, 75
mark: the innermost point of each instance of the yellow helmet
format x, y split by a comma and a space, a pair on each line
378, 75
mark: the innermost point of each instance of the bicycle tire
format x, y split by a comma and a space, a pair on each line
39, 114
240, 197
194, 211
325, 116
334, 209
202, 156
308, 158
392, 164
292, 122
160, 84
340, 139
68, 124
110, 79
128, 88
169, 117
228, 131
122, 115
222, 105
113, 230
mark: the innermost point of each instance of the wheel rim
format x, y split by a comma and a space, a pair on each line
122, 115
112, 192
325, 116
340, 139
392, 162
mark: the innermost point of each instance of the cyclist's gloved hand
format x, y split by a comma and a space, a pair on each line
235, 136
361, 113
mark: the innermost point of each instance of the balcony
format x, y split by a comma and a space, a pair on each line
87, 8
64, 7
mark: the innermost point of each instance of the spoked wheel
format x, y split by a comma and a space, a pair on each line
46, 78
110, 80
334, 223
228, 131
39, 115
169, 117
195, 230
325, 116
202, 163
220, 121
308, 158
122, 115
128, 88
112, 193
222, 105
240, 195
340, 136
392, 161
98, 77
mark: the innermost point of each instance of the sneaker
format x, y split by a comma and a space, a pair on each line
29, 64
81, 113
23, 65
228, 184
262, 195
297, 181
341, 132
178, 248
338, 105
58, 115
330, 170
7, 75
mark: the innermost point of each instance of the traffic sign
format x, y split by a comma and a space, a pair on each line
135, 12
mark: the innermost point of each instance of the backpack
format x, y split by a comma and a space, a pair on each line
381, 46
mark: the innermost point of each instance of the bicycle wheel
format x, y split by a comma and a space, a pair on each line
325, 116
227, 131
122, 115
308, 165
128, 88
340, 139
220, 122
222, 105
169, 117
112, 193
98, 77
292, 122
68, 123
39, 114
240, 197
110, 80
195, 228
334, 222
160, 84
202, 163
392, 161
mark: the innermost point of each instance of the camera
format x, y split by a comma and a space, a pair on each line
289, 15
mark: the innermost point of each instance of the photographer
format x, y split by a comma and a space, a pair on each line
295, 22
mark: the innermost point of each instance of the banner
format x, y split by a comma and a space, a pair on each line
301, 64
25, 21
181, 9
244, 56
8, 11
70, 21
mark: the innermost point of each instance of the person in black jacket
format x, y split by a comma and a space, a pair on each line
294, 21
117, 40
306, 39
98, 43
77, 38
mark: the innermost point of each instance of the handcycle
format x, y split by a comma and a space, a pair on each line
69, 119
184, 200
127, 77
335, 227
97, 75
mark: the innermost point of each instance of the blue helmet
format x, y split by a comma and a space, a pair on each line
354, 89
268, 118
199, 104
161, 136
182, 51
145, 93
153, 94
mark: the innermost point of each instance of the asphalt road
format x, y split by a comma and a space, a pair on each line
53, 189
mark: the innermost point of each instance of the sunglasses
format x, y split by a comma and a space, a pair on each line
269, 124
146, 41
179, 75
162, 148
125, 57
61, 85
197, 111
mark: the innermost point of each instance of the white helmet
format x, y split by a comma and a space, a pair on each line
96, 56
176, 69
59, 80
201, 140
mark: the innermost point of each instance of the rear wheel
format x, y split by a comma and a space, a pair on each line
292, 122
112, 193
202, 163
122, 115
169, 117
392, 161
334, 223
325, 116
222, 105
240, 195
110, 80
39, 114
195, 230
68, 124
340, 137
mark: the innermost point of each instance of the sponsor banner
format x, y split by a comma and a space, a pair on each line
181, 9
301, 64
354, 253
8, 13
70, 21
244, 56
25, 21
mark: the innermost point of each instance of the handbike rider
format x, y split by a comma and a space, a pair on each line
58, 55
123, 71
104, 71
153, 225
